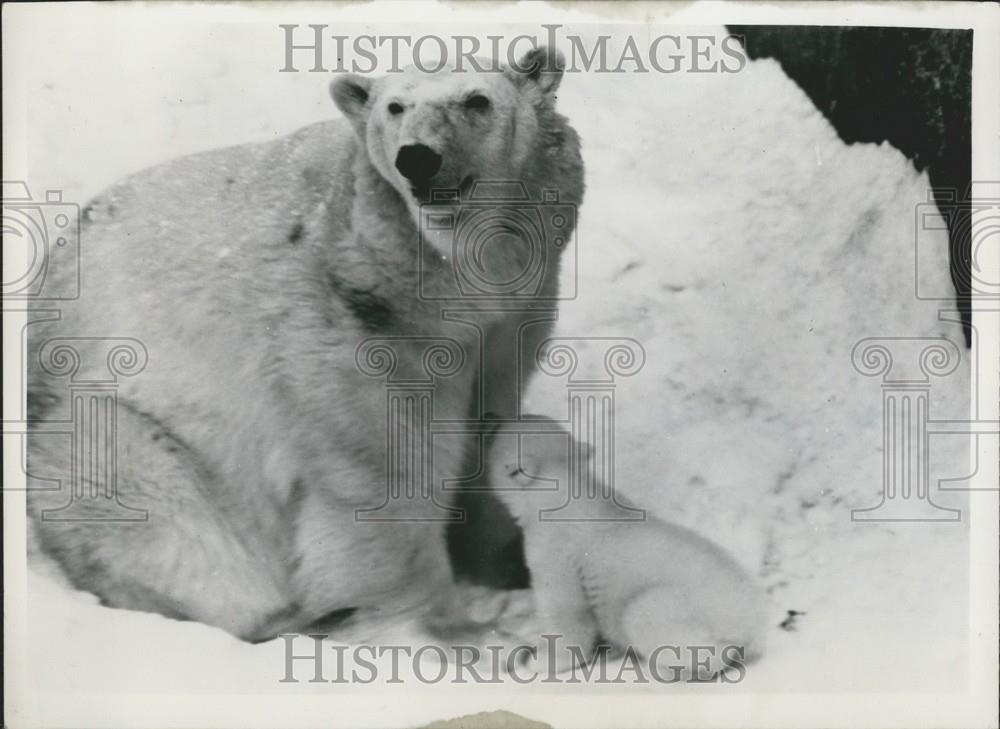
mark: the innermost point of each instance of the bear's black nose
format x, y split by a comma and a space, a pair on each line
417, 162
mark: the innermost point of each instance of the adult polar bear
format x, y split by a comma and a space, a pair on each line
252, 274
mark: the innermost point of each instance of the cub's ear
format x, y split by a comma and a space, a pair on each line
542, 66
351, 94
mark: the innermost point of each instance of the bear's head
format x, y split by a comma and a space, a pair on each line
446, 130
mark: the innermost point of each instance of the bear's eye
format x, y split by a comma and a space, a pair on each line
395, 108
477, 102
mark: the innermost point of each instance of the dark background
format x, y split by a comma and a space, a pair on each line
911, 87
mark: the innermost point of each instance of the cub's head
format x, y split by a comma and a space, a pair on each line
427, 131
522, 460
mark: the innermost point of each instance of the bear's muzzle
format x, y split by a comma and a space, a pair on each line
418, 163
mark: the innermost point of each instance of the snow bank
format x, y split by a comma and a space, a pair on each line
730, 231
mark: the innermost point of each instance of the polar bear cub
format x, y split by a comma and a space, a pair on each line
640, 585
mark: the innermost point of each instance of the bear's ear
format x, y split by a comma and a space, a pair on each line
542, 66
351, 94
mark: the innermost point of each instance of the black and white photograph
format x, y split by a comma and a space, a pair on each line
501, 364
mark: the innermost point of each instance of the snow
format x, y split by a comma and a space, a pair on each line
773, 250
728, 230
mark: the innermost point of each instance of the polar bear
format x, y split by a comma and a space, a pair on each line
646, 586
252, 276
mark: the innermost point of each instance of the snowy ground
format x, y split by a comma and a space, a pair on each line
727, 229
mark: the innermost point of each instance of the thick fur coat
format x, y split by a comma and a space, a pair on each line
251, 275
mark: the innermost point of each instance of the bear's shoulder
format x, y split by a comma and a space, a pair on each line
274, 174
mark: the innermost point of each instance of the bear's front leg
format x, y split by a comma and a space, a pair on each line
567, 627
708, 640
487, 549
